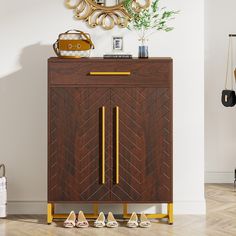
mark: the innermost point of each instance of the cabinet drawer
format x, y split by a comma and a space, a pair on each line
110, 72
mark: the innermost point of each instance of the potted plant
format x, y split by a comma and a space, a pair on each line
148, 21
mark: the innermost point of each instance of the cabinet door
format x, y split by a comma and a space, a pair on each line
145, 144
75, 144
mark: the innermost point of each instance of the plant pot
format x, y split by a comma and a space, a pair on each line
143, 51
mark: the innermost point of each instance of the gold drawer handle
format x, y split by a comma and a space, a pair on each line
110, 73
103, 144
117, 145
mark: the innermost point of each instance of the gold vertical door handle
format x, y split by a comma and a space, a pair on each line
117, 145
103, 144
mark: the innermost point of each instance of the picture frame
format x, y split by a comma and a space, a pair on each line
117, 43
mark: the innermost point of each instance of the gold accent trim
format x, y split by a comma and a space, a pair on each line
149, 216
51, 216
109, 73
117, 145
64, 216
103, 144
170, 213
73, 45
49, 213
95, 209
106, 17
125, 210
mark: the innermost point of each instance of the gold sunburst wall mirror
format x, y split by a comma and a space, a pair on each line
105, 13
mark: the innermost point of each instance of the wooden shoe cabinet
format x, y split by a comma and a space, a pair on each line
110, 133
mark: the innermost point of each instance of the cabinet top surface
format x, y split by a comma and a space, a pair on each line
91, 59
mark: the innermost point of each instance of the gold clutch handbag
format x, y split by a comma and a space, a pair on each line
73, 44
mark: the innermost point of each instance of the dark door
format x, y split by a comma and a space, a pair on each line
75, 144
145, 144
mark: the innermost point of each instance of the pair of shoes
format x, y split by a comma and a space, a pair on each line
100, 221
133, 221
71, 221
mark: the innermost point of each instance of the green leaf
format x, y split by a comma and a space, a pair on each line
153, 17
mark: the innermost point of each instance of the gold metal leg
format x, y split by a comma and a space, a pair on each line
170, 213
53, 208
125, 211
50, 213
95, 209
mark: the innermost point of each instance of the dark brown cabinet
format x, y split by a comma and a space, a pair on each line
145, 161
110, 134
74, 157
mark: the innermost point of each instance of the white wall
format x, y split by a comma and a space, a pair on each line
29, 28
220, 122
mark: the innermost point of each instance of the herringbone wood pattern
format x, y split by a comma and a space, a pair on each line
75, 144
220, 220
75, 156
145, 144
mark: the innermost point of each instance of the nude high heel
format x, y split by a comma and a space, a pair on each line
111, 221
70, 221
81, 221
144, 222
133, 221
100, 221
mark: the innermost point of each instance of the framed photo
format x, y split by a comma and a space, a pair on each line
117, 43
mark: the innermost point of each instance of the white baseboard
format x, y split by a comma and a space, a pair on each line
219, 177
190, 207
34, 207
26, 207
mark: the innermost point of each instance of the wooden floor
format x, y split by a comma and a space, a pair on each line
219, 221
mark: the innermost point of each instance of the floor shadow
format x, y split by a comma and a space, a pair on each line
23, 119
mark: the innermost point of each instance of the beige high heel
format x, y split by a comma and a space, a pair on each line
81, 221
133, 221
100, 221
70, 221
144, 222
111, 221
